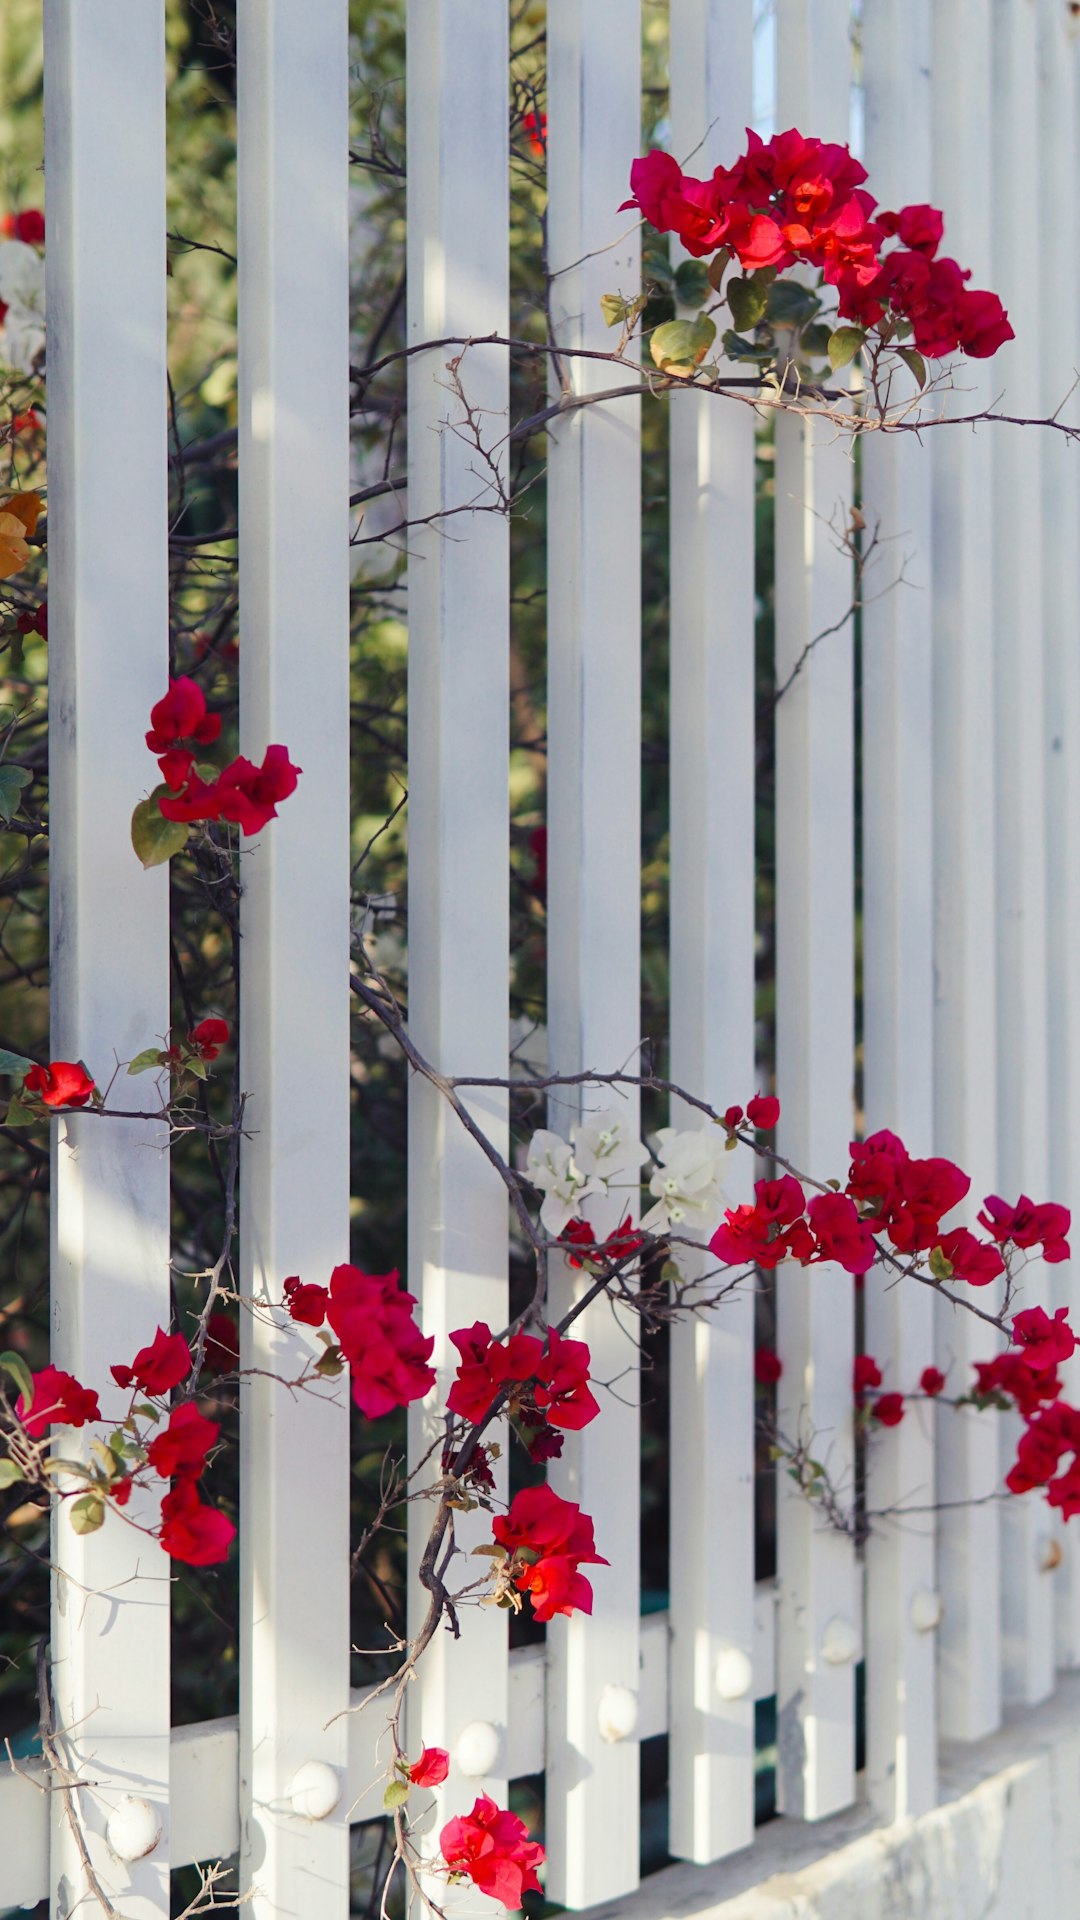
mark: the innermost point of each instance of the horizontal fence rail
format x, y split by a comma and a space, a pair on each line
917, 870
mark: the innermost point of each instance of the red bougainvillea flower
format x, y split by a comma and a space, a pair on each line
971, 1259
1027, 1225
59, 1401
733, 1117
158, 1368
866, 1374
888, 1409
63, 1083
768, 1367
222, 1351
561, 1537
619, 1245
1044, 1343
248, 795
431, 1769
534, 127
27, 226
1008, 1377
927, 1190
562, 1391
208, 1038
36, 622
486, 1365
198, 1535
196, 800
932, 1382
306, 1303
184, 1445
770, 1231
763, 1111
840, 1234
28, 422
373, 1320
1051, 1433
176, 767
919, 227
491, 1847
182, 715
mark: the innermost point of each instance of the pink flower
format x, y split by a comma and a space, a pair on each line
492, 1848
431, 1769
840, 1234
1044, 1343
971, 1260
373, 1320
59, 1401
1027, 1225
248, 794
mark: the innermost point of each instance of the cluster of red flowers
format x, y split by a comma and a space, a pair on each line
373, 1320
546, 1539
243, 793
763, 1111
491, 1847
548, 1383
63, 1083
794, 199
190, 1530
888, 1192
1027, 1378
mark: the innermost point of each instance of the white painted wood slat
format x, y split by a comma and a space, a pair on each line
458, 786
108, 606
969, 1671
898, 958
814, 993
294, 530
1019, 784
594, 885
711, 1742
1059, 354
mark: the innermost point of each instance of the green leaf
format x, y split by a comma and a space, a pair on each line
20, 1115
147, 1412
12, 782
717, 269
154, 838
396, 1794
737, 348
88, 1513
330, 1364
747, 302
914, 363
788, 304
940, 1267
681, 345
656, 266
614, 309
15, 1365
844, 344
149, 1057
815, 340
10, 1475
13, 1065
691, 282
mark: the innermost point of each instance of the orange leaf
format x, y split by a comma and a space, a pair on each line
14, 552
26, 507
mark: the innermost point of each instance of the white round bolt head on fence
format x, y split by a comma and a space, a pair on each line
617, 1713
839, 1643
477, 1749
315, 1790
134, 1828
734, 1673
926, 1610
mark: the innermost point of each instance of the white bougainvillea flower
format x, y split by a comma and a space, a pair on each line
605, 1146
22, 292
552, 1169
687, 1185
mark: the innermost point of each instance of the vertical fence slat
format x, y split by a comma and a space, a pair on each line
711, 1738
1059, 354
108, 594
969, 1671
458, 782
897, 960
594, 722
1019, 785
294, 480
815, 998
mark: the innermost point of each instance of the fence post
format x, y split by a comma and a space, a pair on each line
711, 1606
294, 531
969, 1652
818, 1627
594, 731
1059, 356
108, 607
898, 988
458, 264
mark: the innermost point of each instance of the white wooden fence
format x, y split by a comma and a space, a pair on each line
970, 715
